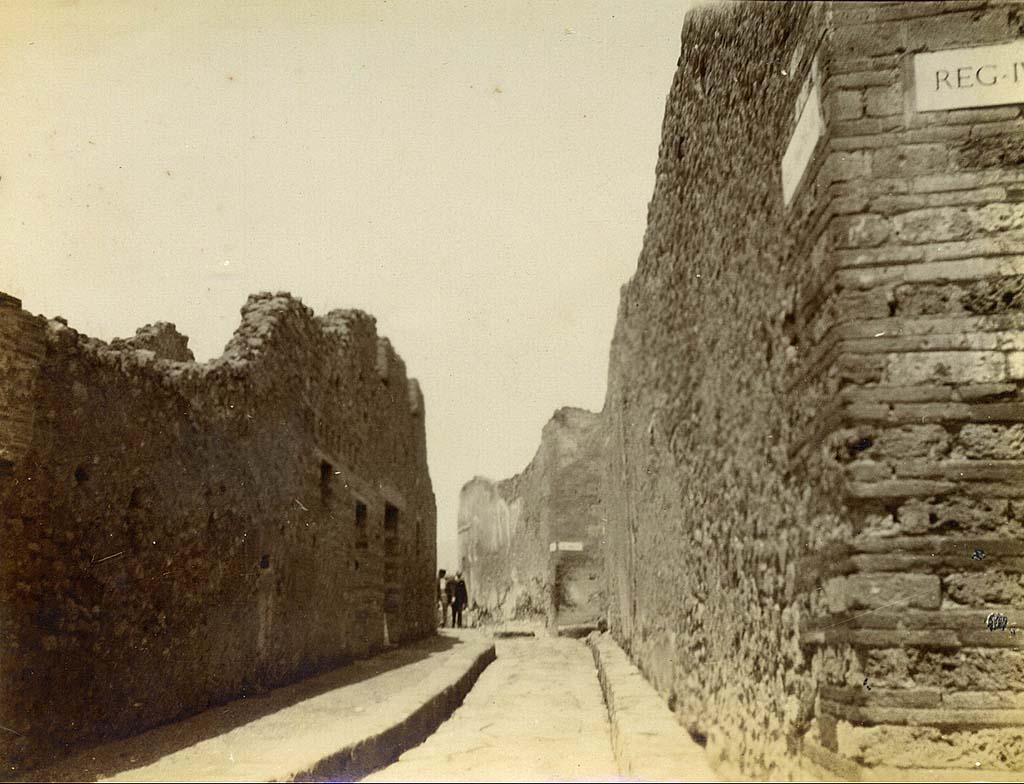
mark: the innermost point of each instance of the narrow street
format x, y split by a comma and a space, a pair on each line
535, 714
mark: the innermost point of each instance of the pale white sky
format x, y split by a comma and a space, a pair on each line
474, 174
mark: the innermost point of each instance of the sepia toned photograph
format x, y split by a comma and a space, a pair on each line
511, 390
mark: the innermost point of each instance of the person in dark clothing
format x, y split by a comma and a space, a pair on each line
459, 600
442, 598
449, 596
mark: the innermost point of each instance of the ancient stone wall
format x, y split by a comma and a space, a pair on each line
179, 534
814, 404
531, 547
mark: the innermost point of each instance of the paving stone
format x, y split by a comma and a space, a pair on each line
535, 714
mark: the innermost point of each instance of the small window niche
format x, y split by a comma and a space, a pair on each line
391, 515
326, 475
361, 538
390, 519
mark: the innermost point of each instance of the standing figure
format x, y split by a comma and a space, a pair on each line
449, 595
442, 597
460, 600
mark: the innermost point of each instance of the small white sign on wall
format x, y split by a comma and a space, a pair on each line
965, 78
571, 546
808, 130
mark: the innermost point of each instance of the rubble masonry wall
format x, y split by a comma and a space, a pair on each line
506, 530
178, 534
815, 411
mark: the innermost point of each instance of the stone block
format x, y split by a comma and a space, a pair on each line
872, 590
911, 441
889, 254
971, 516
983, 700
888, 394
860, 368
1007, 129
883, 698
978, 589
951, 412
843, 166
932, 225
998, 296
911, 160
898, 203
988, 151
983, 638
923, 8
915, 747
858, 79
859, 231
1015, 366
846, 105
867, 40
868, 471
1005, 244
946, 367
1000, 442
884, 101
927, 639
949, 30
971, 393
964, 470
958, 181
898, 488
942, 716
864, 304
964, 669
866, 126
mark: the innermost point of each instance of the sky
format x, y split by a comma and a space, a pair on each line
474, 174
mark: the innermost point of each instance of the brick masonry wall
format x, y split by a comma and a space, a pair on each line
179, 534
506, 530
921, 324
813, 409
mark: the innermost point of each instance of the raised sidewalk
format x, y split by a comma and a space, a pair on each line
336, 726
648, 741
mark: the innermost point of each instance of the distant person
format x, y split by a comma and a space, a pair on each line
449, 594
460, 600
442, 597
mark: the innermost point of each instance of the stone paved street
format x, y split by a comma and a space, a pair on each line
535, 714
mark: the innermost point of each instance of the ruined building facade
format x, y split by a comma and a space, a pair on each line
813, 477
178, 534
531, 547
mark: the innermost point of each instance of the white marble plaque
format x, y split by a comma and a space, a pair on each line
805, 136
964, 78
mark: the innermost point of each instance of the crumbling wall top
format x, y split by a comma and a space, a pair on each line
271, 325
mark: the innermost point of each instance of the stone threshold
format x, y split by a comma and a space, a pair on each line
648, 742
338, 726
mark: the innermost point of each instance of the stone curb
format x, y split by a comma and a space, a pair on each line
339, 734
648, 742
361, 758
